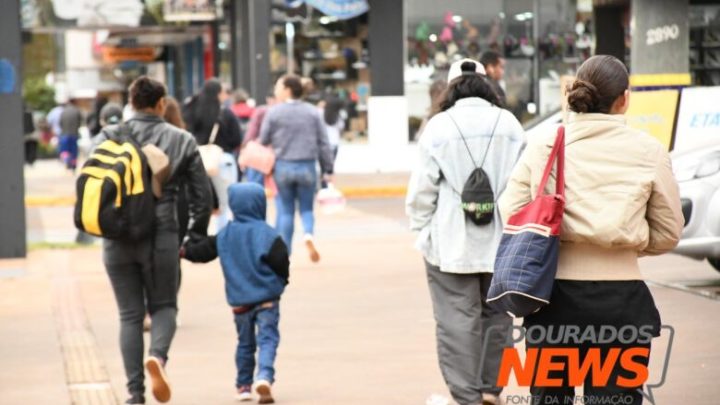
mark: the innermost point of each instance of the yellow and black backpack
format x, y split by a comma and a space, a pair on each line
114, 191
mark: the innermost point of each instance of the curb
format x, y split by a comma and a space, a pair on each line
46, 201
349, 192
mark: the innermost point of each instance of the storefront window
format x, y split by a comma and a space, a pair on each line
333, 53
539, 40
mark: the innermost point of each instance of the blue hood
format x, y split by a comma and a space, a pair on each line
247, 202
242, 246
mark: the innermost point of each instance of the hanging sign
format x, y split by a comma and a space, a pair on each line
190, 10
341, 9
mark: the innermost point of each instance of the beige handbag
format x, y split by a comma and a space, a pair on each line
258, 157
211, 154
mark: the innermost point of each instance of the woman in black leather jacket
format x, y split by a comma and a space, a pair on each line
144, 273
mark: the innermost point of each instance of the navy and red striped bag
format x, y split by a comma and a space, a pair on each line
526, 261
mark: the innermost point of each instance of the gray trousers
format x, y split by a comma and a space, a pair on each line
463, 319
144, 277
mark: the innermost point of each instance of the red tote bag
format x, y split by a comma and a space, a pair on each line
527, 257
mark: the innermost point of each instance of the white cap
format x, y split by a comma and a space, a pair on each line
456, 72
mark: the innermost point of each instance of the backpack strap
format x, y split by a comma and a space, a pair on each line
492, 135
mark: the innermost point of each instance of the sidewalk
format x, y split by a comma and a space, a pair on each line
47, 183
356, 329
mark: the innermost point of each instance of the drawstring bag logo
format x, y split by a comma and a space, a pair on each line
477, 197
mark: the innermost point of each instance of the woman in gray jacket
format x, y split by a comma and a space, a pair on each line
459, 255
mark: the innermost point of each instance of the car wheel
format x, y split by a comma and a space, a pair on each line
715, 262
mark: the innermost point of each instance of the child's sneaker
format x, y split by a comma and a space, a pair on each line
263, 389
310, 245
244, 393
136, 399
158, 379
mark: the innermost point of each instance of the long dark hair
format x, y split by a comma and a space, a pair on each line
331, 112
598, 83
469, 84
206, 110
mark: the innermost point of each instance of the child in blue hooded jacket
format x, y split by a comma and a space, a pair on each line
255, 264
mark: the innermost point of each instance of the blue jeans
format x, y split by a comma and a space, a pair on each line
68, 148
296, 181
266, 339
254, 176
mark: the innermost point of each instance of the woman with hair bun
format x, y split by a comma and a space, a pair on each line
621, 203
468, 132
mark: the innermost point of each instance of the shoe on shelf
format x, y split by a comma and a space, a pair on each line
264, 390
158, 379
244, 393
310, 245
136, 399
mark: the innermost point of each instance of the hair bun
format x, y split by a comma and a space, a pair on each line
582, 96
468, 66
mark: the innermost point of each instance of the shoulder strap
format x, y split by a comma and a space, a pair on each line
492, 135
213, 133
557, 153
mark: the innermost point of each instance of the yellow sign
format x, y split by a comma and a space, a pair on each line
654, 112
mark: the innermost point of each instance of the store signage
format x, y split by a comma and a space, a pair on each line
97, 13
662, 34
120, 55
190, 10
665, 31
654, 113
699, 117
342, 9
8, 77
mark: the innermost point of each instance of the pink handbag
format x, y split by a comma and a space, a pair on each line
258, 157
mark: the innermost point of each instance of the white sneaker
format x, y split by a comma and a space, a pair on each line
244, 394
158, 379
264, 390
310, 245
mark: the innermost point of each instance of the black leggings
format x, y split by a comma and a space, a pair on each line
144, 277
592, 304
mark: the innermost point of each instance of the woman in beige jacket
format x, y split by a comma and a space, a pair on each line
621, 203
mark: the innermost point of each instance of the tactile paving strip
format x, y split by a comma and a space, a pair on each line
87, 378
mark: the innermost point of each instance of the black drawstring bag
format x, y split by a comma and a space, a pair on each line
477, 196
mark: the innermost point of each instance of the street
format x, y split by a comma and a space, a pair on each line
357, 328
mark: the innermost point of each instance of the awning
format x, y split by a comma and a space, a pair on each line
341, 9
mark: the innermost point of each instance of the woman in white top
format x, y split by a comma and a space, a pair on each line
468, 132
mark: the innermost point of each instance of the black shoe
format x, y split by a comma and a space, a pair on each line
136, 399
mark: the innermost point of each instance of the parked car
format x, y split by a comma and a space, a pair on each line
697, 170
543, 123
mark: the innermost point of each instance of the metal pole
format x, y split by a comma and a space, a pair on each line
290, 35
12, 186
536, 55
215, 41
